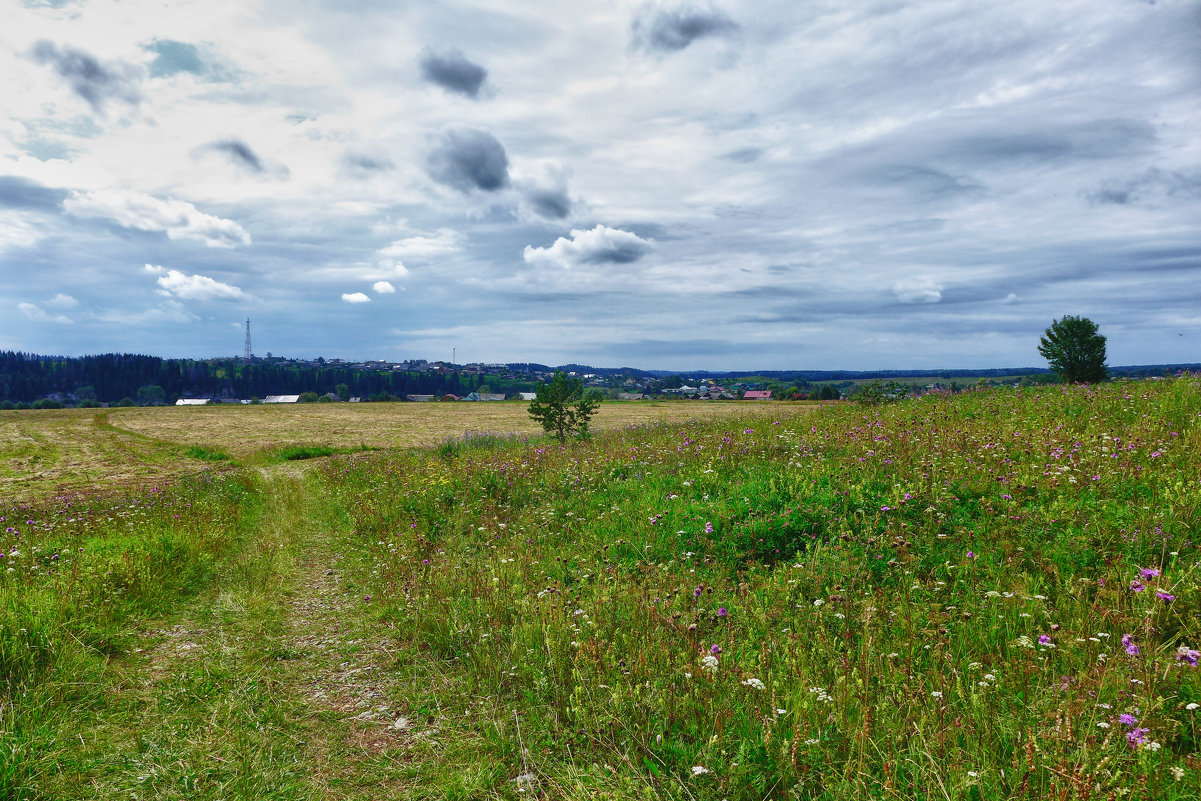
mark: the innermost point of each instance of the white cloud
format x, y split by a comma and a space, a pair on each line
62, 301
355, 297
193, 287
383, 288
917, 290
601, 245
178, 219
36, 313
444, 242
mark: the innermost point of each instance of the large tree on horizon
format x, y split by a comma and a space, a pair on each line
1075, 350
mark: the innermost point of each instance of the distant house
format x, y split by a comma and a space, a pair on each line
631, 396
192, 402
282, 399
356, 399
420, 398
528, 396
757, 394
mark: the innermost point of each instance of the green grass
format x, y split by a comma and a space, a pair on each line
207, 454
962, 597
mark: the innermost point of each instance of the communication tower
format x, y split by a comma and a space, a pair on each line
249, 355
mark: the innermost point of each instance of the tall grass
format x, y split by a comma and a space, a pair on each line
987, 596
77, 575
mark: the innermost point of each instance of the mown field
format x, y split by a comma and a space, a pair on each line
992, 595
46, 452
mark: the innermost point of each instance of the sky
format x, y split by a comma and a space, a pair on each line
768, 184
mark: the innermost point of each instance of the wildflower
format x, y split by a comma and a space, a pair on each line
721, 611
971, 555
1136, 736
1152, 746
1165, 596
696, 593
715, 649
1044, 639
1149, 573
754, 684
1177, 772
1192, 706
698, 770
1103, 725
708, 527
936, 694
1186, 654
1128, 644
1128, 720
709, 665
812, 741
1137, 586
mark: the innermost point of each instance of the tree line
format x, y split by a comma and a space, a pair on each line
113, 377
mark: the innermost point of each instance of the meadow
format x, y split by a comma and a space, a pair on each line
988, 595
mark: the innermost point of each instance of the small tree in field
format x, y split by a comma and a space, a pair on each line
1074, 350
561, 408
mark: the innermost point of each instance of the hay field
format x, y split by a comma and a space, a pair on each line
54, 452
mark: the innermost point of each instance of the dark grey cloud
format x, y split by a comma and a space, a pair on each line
363, 163
1095, 139
924, 182
20, 193
669, 30
239, 153
553, 203
453, 72
95, 81
1152, 185
468, 158
744, 155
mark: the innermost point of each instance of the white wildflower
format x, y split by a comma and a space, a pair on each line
1191, 707
699, 770
754, 684
709, 664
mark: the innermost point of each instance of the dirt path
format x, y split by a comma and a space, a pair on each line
273, 685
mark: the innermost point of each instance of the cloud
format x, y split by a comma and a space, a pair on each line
669, 30
244, 158
177, 218
1152, 185
173, 283
62, 301
917, 290
468, 158
443, 242
551, 202
361, 163
239, 153
383, 288
601, 245
37, 314
355, 297
95, 81
21, 193
453, 72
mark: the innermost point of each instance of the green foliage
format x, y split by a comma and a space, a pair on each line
879, 392
562, 407
151, 395
300, 452
206, 454
308, 397
343, 391
124, 402
1075, 350
47, 403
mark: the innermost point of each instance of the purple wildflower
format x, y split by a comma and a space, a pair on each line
715, 649
1149, 573
1128, 720
697, 592
1128, 644
721, 611
708, 527
1044, 639
971, 555
1189, 655
1166, 597
1136, 736
1137, 586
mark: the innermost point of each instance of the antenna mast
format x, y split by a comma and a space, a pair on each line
249, 355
